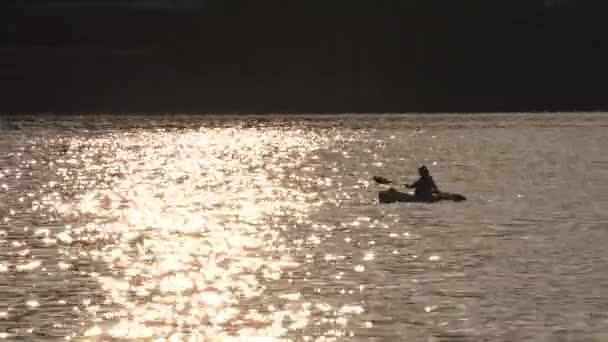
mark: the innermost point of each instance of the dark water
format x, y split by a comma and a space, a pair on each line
268, 228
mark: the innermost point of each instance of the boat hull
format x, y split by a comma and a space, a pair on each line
393, 196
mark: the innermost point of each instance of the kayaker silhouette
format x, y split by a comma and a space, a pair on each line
425, 186
426, 190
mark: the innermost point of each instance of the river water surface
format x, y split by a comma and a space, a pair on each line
267, 228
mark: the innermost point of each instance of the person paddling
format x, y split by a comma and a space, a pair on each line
425, 186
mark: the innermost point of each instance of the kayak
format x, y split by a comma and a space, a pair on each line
392, 196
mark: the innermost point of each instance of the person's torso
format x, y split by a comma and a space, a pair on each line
425, 186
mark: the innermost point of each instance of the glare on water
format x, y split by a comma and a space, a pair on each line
191, 228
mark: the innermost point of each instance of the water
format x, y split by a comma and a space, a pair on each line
213, 228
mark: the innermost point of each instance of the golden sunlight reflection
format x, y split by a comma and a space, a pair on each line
192, 227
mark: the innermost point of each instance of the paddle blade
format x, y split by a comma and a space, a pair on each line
381, 180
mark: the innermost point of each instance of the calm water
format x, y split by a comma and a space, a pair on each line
215, 228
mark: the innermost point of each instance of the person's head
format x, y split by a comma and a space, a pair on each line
423, 171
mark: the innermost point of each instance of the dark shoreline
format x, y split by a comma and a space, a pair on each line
235, 57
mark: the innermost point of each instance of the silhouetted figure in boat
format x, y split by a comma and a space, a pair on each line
426, 191
425, 186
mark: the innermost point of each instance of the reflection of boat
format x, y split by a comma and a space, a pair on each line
392, 196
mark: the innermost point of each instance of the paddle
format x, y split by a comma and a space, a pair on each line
382, 180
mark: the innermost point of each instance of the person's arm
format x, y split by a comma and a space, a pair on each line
413, 185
